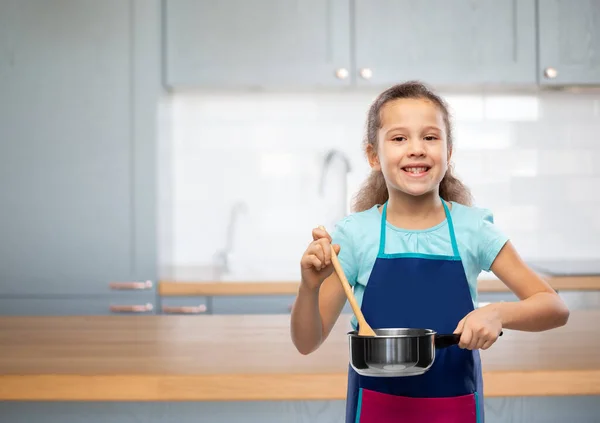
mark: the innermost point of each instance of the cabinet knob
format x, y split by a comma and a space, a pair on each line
550, 73
342, 73
366, 73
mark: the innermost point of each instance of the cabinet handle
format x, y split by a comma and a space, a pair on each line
366, 73
185, 309
130, 285
550, 73
342, 73
140, 308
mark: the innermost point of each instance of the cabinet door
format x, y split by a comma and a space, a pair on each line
569, 42
460, 42
257, 43
69, 176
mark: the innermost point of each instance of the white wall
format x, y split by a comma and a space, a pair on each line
531, 158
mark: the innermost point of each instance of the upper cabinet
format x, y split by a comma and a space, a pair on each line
569, 42
257, 43
240, 44
461, 42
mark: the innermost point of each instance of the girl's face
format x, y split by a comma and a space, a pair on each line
412, 151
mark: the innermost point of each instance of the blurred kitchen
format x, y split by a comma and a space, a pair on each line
164, 162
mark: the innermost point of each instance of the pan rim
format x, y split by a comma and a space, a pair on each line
420, 333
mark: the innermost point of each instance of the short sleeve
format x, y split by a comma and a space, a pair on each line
491, 241
343, 236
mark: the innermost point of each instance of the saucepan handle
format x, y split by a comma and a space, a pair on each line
444, 341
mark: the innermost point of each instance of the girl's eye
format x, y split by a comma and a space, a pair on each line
398, 138
430, 137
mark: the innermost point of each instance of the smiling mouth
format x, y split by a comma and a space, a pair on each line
416, 170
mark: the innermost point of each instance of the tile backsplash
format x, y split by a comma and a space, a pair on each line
532, 158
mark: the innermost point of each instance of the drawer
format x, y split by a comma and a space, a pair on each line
57, 306
258, 304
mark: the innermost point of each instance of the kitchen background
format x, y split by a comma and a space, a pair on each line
260, 161
146, 142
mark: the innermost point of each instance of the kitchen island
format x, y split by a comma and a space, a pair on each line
225, 358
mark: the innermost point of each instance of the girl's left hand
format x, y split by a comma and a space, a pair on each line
480, 328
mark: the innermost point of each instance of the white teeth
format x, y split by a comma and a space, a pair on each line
416, 169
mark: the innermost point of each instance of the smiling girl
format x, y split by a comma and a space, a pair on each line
412, 250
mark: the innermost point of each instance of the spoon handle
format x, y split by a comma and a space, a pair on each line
363, 327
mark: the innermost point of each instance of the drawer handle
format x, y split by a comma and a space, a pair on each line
185, 309
131, 285
131, 308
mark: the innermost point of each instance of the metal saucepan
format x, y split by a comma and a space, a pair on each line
390, 352
397, 352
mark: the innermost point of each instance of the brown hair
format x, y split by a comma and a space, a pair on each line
374, 190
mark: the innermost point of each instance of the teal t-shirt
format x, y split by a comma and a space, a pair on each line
479, 242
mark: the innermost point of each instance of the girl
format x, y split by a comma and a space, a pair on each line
412, 250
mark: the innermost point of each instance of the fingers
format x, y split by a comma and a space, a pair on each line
318, 254
312, 261
476, 338
466, 338
460, 326
319, 233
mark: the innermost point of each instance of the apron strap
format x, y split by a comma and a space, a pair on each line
382, 233
450, 228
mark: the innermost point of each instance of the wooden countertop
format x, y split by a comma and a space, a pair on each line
223, 288
225, 357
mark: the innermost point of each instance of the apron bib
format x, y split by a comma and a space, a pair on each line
410, 290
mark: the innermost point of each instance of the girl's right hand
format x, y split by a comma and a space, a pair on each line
316, 265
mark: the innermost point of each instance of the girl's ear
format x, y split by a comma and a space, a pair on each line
373, 158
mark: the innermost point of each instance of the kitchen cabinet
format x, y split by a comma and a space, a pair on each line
569, 42
463, 42
341, 43
77, 176
257, 43
258, 304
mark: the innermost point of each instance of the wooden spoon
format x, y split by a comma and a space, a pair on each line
363, 327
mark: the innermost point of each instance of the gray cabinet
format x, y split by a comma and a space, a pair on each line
256, 43
462, 42
77, 148
255, 304
569, 42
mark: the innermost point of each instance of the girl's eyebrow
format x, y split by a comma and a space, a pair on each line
435, 128
402, 128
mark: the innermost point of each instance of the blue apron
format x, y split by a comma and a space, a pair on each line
410, 290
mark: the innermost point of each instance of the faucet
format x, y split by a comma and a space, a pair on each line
329, 157
332, 154
222, 256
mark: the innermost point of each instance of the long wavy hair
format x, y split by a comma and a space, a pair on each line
374, 190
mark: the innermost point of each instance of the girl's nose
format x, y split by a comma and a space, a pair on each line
416, 148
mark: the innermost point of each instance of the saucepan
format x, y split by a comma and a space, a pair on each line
390, 352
